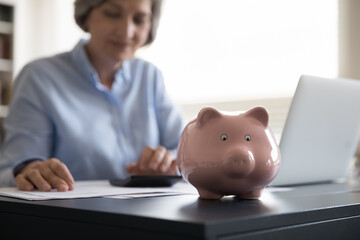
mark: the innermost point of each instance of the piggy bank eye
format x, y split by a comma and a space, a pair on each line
247, 137
223, 137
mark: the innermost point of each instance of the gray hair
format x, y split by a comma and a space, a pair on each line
84, 7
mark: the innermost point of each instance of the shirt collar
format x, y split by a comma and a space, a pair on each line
81, 59
124, 72
83, 63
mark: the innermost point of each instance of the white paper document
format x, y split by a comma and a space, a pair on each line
87, 189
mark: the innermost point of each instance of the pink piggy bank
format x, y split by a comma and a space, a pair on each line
229, 155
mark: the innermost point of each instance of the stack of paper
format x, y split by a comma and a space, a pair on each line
87, 189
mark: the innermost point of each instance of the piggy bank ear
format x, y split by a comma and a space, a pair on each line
205, 115
260, 114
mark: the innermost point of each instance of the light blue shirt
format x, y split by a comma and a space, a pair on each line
60, 109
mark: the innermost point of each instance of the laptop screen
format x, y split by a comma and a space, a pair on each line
321, 132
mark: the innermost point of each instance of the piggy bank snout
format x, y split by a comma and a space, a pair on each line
239, 162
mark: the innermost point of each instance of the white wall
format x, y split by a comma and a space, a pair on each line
349, 38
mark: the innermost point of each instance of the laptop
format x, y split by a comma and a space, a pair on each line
321, 132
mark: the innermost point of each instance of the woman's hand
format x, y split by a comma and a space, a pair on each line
157, 161
45, 175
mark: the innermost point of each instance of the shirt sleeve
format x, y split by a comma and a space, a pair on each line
28, 126
170, 116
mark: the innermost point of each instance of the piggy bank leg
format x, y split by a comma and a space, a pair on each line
204, 194
251, 195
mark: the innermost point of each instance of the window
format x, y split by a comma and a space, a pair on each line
210, 50
218, 50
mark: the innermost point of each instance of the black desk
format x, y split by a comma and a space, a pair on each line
326, 211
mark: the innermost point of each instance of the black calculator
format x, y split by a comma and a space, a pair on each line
146, 181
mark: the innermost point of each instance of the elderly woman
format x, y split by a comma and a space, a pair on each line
95, 112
